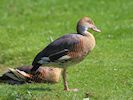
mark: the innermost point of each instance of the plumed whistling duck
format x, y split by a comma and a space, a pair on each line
68, 49
22, 75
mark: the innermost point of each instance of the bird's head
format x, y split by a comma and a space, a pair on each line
85, 24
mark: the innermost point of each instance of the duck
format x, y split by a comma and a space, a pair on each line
68, 50
22, 75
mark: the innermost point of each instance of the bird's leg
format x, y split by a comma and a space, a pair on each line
65, 82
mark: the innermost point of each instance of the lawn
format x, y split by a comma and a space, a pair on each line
106, 74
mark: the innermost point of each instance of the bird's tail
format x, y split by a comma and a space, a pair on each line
15, 76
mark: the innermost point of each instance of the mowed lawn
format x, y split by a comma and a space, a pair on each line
106, 74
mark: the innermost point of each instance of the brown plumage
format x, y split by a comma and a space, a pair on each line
22, 75
68, 49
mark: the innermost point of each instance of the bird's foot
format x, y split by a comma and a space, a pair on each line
74, 90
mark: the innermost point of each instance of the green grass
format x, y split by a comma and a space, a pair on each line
106, 74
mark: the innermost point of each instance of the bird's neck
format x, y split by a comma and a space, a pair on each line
82, 29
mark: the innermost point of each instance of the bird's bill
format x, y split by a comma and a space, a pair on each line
94, 28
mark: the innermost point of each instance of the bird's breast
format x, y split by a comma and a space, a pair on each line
89, 43
81, 49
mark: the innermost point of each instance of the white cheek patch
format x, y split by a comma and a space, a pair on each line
66, 57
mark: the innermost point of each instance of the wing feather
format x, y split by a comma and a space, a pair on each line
54, 49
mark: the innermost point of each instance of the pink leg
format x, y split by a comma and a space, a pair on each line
65, 81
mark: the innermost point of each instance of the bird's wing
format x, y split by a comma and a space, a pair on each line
57, 50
